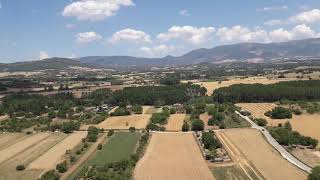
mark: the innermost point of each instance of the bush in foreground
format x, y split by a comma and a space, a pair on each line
315, 173
20, 167
279, 113
50, 175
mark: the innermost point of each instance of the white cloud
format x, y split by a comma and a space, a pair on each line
241, 34
43, 55
184, 12
298, 32
273, 8
94, 10
306, 17
158, 51
70, 26
130, 35
273, 22
0, 5
87, 37
190, 34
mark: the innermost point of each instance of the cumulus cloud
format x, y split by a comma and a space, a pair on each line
273, 8
87, 37
238, 34
130, 35
190, 34
298, 32
307, 17
43, 55
94, 10
241, 34
184, 12
158, 51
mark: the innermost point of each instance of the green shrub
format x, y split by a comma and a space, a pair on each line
50, 175
315, 173
132, 129
185, 126
110, 133
137, 109
62, 167
20, 167
261, 121
197, 125
279, 113
99, 146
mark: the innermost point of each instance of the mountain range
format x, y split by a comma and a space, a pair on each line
236, 52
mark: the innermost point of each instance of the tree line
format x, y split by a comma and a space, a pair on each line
291, 90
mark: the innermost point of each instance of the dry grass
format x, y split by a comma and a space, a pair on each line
172, 156
7, 168
211, 86
267, 161
306, 124
22, 145
139, 121
175, 122
151, 109
55, 155
307, 156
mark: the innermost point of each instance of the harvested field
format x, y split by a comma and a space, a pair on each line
20, 146
139, 121
8, 167
307, 156
175, 122
205, 118
306, 124
9, 139
211, 86
55, 155
172, 156
263, 158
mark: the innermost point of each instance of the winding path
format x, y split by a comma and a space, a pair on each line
284, 153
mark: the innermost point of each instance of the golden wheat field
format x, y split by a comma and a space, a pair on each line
54, 156
211, 86
139, 121
175, 122
172, 156
260, 155
306, 124
25, 151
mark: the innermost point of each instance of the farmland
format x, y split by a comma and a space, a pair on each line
32, 147
175, 122
211, 86
120, 146
306, 124
172, 156
263, 160
124, 122
54, 156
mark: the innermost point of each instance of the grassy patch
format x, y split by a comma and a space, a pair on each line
229, 172
120, 146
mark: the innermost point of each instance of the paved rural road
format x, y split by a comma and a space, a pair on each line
284, 153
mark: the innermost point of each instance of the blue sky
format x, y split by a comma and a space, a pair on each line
36, 29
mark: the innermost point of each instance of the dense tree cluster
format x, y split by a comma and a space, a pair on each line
93, 134
158, 95
286, 136
279, 113
291, 90
170, 80
315, 173
120, 111
209, 141
137, 109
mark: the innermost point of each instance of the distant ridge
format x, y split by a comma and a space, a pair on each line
237, 52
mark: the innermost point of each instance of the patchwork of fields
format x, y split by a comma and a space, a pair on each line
21, 149
306, 124
254, 153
